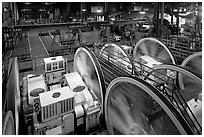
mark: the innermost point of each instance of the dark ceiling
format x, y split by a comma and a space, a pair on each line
35, 7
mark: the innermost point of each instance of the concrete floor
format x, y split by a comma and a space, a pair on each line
40, 48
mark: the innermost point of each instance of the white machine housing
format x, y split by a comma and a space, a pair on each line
146, 65
56, 102
35, 84
84, 98
54, 69
149, 61
61, 103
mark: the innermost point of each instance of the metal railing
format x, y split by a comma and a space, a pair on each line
182, 49
158, 79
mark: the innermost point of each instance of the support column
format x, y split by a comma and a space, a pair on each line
177, 17
81, 10
199, 19
68, 9
53, 11
105, 11
3, 43
157, 19
162, 18
172, 18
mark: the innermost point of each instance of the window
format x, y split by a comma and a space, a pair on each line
50, 108
60, 64
54, 66
56, 108
49, 67
47, 111
53, 110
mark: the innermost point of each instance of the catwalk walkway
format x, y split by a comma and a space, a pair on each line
38, 51
36, 45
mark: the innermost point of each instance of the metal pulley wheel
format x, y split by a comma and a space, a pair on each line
169, 74
8, 125
187, 98
17, 95
86, 64
117, 55
12, 99
133, 106
192, 63
154, 49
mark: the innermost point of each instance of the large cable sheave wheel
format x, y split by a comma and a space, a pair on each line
86, 64
117, 55
132, 106
12, 98
193, 87
154, 49
8, 126
17, 95
192, 63
187, 99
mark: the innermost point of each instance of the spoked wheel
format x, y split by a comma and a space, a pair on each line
117, 55
8, 126
86, 64
132, 106
189, 95
192, 63
154, 49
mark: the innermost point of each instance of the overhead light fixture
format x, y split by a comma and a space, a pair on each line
47, 3
196, 12
26, 10
5, 9
142, 11
183, 14
112, 19
175, 10
83, 9
98, 10
27, 3
42, 10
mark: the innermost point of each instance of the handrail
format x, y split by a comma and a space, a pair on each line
158, 80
